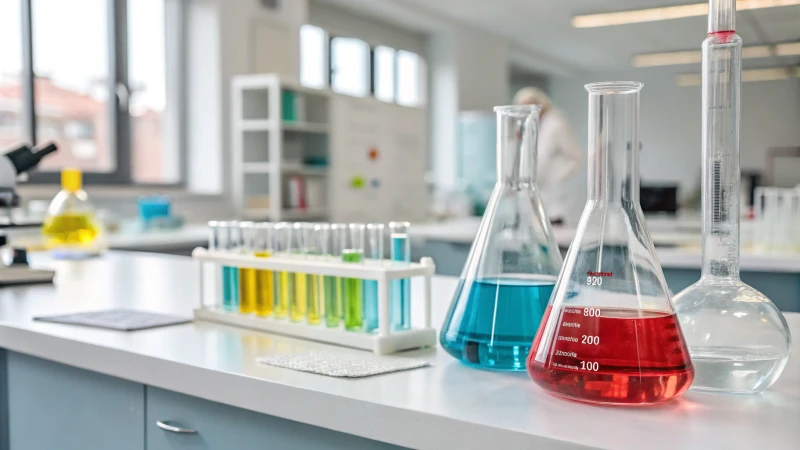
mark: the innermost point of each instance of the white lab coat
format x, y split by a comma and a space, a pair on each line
560, 157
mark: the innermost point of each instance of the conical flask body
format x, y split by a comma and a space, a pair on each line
512, 266
609, 334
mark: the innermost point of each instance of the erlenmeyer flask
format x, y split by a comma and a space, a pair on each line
610, 334
738, 339
513, 263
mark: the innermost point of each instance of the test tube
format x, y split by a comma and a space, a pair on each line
315, 291
248, 281
230, 275
334, 309
400, 294
333, 238
353, 296
213, 245
283, 243
375, 256
264, 246
298, 304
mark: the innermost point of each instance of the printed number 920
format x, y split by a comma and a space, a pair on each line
594, 281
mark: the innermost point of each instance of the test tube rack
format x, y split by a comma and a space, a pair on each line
383, 341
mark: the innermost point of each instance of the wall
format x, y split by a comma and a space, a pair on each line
670, 123
519, 79
468, 71
371, 30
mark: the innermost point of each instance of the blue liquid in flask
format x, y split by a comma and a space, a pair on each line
494, 320
230, 288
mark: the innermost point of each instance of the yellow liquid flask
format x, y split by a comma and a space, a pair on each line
70, 228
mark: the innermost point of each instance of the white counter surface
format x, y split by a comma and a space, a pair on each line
444, 406
677, 249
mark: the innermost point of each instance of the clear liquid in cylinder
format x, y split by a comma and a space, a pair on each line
613, 356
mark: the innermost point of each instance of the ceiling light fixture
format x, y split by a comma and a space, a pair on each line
667, 12
695, 57
771, 74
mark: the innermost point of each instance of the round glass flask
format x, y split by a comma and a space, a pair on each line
609, 334
738, 339
513, 263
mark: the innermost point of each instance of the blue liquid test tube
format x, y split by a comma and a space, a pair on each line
228, 233
400, 292
374, 255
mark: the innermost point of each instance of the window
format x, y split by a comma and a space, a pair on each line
96, 85
11, 99
409, 75
312, 56
350, 66
384, 69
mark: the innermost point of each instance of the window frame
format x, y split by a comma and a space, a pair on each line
119, 119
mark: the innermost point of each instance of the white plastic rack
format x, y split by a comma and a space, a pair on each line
383, 341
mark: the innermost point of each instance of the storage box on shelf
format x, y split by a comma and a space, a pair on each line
278, 126
383, 341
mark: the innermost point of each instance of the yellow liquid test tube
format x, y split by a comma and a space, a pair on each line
314, 303
297, 307
265, 300
285, 293
248, 282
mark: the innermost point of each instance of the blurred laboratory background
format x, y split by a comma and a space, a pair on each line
171, 113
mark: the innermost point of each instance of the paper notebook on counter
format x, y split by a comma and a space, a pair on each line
116, 319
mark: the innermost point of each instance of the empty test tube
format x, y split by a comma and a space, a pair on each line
400, 293
374, 255
248, 282
264, 247
230, 275
283, 242
353, 295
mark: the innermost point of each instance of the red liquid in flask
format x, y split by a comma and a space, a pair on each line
615, 356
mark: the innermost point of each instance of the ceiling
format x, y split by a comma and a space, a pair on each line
542, 28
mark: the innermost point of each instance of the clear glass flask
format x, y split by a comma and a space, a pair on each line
609, 334
514, 261
71, 229
400, 293
264, 248
374, 255
738, 339
353, 289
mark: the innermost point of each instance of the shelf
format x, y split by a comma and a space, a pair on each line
307, 127
257, 125
304, 169
258, 167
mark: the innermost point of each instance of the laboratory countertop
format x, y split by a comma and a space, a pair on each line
191, 235
447, 405
677, 247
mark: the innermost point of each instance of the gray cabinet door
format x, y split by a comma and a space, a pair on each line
220, 426
54, 406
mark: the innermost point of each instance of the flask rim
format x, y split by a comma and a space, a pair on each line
614, 87
518, 110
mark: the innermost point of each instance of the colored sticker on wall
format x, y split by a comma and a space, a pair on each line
357, 182
374, 154
375, 183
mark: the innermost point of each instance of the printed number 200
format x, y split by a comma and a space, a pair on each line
594, 281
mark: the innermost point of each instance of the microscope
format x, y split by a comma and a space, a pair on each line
13, 163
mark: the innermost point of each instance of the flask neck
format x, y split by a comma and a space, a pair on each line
517, 133
720, 151
614, 143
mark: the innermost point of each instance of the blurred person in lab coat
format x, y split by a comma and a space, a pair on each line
560, 156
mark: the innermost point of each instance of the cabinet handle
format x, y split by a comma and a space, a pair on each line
174, 429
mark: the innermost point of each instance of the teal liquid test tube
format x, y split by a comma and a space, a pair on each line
400, 290
353, 289
374, 254
334, 286
229, 242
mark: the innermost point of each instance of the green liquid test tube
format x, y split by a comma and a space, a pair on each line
353, 287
